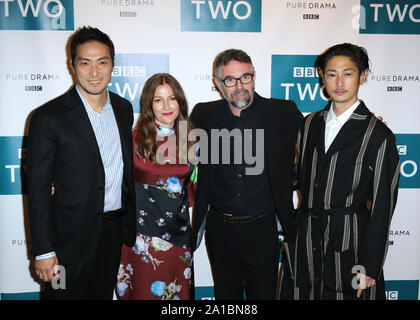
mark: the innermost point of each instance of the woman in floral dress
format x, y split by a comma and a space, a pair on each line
158, 266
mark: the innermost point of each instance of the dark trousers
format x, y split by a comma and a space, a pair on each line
243, 256
95, 277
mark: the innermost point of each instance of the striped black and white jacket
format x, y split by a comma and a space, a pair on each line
348, 196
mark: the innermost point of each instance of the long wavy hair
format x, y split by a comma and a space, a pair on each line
146, 140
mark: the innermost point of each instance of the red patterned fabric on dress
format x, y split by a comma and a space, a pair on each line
158, 266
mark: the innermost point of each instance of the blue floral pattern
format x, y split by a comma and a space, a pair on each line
158, 266
158, 288
172, 186
168, 289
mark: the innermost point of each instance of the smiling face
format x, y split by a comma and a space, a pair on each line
241, 95
342, 81
165, 106
93, 69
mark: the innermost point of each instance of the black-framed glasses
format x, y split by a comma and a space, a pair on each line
231, 82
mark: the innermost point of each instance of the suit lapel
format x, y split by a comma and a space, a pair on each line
122, 123
273, 127
319, 127
79, 118
351, 130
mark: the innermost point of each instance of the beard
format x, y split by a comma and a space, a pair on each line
239, 103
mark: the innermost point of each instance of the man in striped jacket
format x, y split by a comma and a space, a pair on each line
348, 173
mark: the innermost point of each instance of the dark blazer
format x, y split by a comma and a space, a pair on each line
282, 121
349, 194
361, 164
62, 149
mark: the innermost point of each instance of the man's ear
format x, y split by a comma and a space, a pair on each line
321, 75
217, 83
363, 77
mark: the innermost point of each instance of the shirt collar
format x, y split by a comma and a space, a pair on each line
342, 118
88, 107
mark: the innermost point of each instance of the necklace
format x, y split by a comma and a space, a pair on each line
165, 132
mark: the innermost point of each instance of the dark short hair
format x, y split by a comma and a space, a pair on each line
88, 34
357, 54
224, 57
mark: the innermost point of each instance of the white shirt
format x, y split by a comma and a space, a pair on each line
107, 136
333, 124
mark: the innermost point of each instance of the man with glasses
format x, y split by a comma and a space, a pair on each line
237, 209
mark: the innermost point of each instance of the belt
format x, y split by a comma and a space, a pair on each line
112, 215
230, 218
315, 212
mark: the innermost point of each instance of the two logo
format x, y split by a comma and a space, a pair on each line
131, 72
36, 15
196, 15
293, 77
389, 17
221, 15
407, 145
375, 17
12, 159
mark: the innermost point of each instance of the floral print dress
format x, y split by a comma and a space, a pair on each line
158, 266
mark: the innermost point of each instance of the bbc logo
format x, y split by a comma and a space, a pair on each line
128, 14
129, 71
305, 72
402, 150
391, 295
33, 88
311, 16
394, 89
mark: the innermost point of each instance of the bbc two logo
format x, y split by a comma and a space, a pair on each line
402, 289
36, 15
131, 72
221, 15
407, 146
12, 157
294, 77
390, 17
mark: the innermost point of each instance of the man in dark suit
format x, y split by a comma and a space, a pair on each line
81, 143
238, 202
348, 178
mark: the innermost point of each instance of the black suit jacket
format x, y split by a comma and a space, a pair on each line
281, 120
62, 149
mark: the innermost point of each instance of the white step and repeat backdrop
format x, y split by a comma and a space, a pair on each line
183, 37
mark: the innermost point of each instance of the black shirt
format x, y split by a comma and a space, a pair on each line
234, 190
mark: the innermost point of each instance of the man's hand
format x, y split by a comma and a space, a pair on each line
46, 268
365, 282
380, 118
